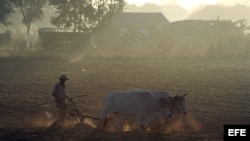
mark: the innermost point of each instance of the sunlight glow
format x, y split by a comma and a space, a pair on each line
190, 4
186, 4
142, 2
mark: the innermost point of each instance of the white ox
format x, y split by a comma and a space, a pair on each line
176, 105
139, 104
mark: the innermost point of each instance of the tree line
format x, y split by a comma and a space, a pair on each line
80, 15
213, 39
189, 38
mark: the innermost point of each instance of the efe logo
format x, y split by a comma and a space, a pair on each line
236, 132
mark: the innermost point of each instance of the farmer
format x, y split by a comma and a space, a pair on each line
59, 92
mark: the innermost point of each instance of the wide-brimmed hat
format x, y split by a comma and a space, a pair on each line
64, 77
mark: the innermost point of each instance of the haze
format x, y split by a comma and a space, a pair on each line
175, 10
190, 4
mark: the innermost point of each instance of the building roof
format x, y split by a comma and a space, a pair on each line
133, 18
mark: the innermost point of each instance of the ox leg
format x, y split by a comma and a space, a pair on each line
117, 123
141, 123
156, 124
102, 124
147, 122
105, 122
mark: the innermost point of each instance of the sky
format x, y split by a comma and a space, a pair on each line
190, 5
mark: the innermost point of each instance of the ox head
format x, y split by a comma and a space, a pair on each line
178, 104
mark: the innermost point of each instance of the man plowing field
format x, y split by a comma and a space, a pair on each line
59, 92
65, 104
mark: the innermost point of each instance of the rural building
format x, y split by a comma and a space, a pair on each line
53, 38
123, 29
131, 27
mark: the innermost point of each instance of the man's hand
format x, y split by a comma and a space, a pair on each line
69, 98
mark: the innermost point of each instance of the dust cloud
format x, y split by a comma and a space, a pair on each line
178, 123
183, 124
41, 123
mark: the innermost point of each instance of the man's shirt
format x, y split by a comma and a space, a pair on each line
59, 92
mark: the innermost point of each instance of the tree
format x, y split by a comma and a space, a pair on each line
83, 15
31, 11
116, 5
62, 9
6, 9
242, 25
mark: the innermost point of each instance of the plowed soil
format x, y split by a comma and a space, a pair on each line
218, 94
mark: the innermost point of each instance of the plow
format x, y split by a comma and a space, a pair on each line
73, 110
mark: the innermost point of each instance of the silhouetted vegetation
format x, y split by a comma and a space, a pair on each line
31, 11
83, 15
6, 9
213, 39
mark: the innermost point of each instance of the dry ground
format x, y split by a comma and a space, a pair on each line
218, 94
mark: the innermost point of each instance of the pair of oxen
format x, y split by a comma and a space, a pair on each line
145, 106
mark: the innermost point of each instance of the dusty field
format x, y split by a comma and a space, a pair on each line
218, 94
